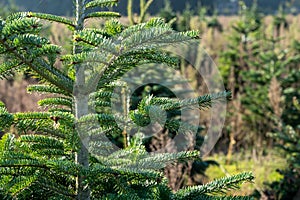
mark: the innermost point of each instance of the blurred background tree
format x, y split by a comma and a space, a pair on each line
266, 6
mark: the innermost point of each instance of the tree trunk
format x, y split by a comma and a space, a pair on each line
81, 109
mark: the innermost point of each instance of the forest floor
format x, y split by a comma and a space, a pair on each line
264, 169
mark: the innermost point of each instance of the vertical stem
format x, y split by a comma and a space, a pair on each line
81, 109
142, 6
182, 67
125, 102
142, 10
129, 12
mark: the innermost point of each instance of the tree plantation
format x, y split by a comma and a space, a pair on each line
180, 105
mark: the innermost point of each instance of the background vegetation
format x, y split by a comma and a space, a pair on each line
61, 7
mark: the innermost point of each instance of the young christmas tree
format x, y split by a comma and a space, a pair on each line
68, 151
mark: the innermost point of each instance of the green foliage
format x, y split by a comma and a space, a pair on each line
101, 3
167, 12
217, 187
144, 6
178, 22
288, 141
68, 152
257, 68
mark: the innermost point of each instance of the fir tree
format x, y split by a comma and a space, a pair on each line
57, 154
288, 142
253, 61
